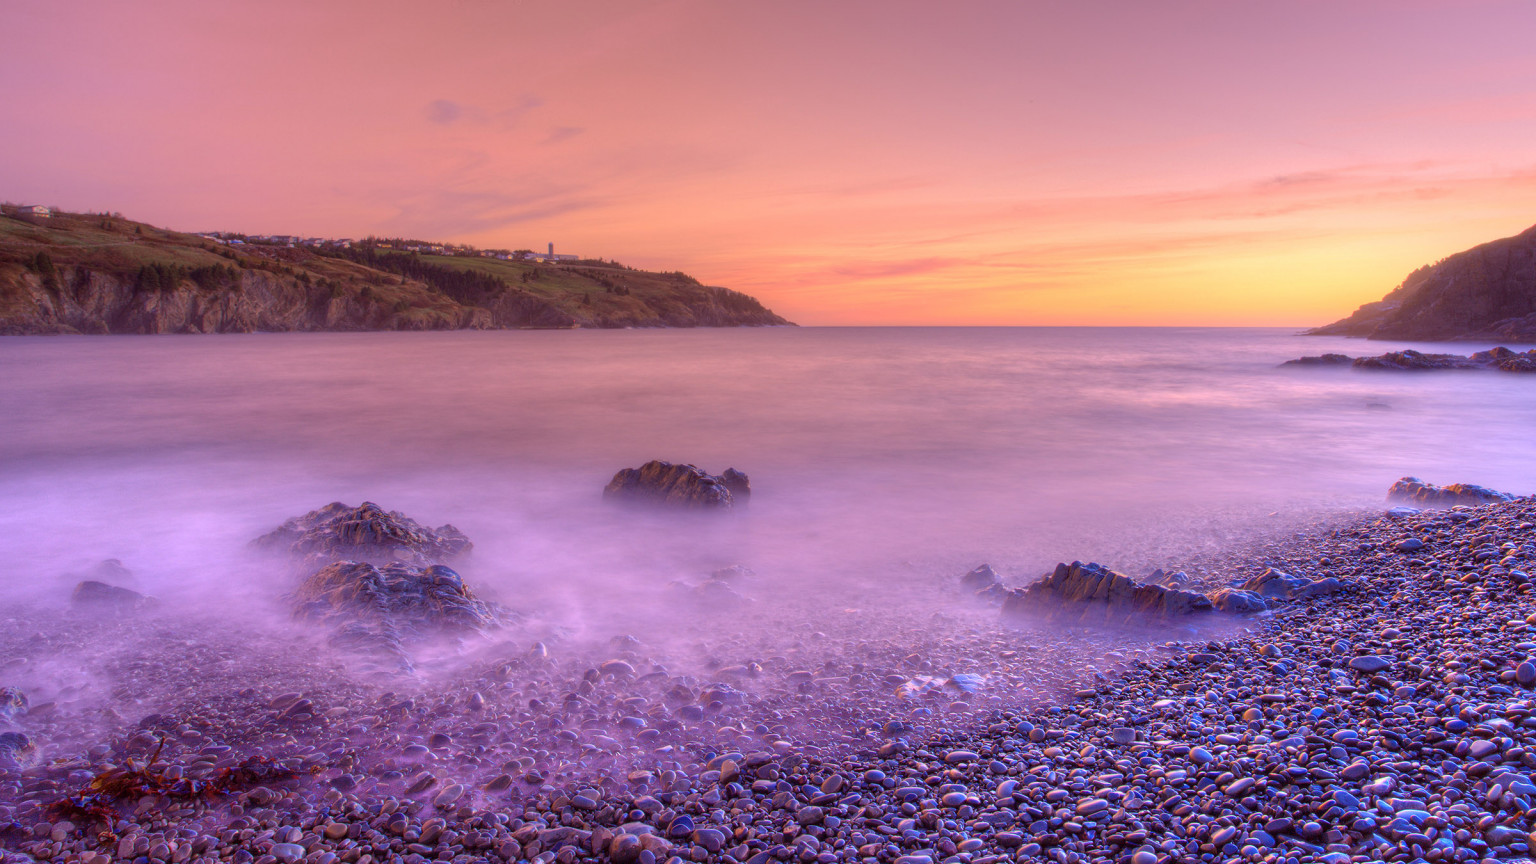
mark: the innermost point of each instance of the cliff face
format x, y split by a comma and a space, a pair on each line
1485, 293
85, 302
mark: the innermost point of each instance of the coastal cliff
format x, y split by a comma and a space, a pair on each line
1485, 293
89, 273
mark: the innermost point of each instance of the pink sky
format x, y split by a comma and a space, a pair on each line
847, 163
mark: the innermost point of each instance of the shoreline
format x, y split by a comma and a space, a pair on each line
1215, 749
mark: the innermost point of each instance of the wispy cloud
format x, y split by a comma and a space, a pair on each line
444, 112
563, 133
449, 112
888, 269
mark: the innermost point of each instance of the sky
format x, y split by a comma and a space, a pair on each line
972, 162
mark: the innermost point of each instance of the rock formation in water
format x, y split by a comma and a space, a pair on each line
367, 532
680, 486
1485, 293
378, 579
13, 705
1501, 359
719, 593
1095, 591
1412, 490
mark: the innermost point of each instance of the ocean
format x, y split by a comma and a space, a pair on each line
879, 457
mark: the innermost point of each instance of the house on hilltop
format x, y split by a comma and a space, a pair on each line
39, 210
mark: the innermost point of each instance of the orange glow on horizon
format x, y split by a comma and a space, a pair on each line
863, 163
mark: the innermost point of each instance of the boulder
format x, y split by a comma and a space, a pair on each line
1092, 590
1412, 490
366, 532
680, 486
381, 611
981, 578
96, 596
1281, 585
377, 578
412, 599
1237, 602
983, 583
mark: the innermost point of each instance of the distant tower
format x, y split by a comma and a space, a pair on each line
551, 250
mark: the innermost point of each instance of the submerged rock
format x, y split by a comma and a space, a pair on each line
101, 597
985, 584
718, 592
13, 704
1412, 490
682, 486
1322, 360
17, 751
366, 532
1097, 589
981, 578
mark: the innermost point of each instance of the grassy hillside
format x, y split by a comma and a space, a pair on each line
48, 263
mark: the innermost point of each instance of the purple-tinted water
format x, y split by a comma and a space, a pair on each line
878, 457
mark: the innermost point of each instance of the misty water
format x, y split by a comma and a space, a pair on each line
884, 463
872, 452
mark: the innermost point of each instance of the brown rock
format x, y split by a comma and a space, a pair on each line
1412, 490
680, 486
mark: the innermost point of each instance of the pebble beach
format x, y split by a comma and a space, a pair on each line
1394, 721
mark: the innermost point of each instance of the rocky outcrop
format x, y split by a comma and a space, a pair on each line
1485, 293
1412, 490
679, 486
1089, 590
1502, 359
367, 532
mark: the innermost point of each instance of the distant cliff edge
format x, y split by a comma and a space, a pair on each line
1485, 293
98, 273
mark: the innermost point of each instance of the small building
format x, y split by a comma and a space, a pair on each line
40, 210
